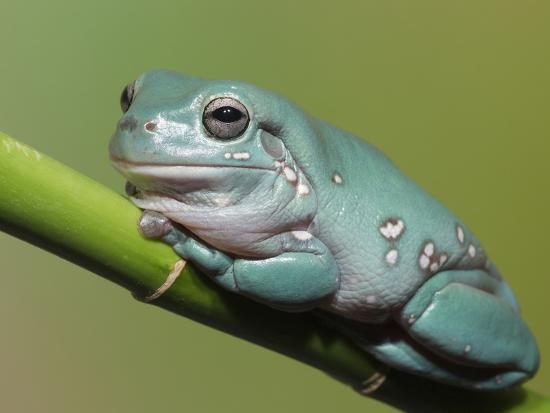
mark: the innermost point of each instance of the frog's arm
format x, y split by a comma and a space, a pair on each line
292, 281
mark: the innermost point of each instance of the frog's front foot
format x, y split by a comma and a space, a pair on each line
219, 266
154, 225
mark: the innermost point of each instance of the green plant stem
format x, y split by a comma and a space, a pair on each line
68, 214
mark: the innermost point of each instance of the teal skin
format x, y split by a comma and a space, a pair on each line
291, 212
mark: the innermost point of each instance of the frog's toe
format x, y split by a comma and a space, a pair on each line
154, 225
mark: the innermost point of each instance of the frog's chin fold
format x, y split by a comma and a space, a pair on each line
157, 203
191, 202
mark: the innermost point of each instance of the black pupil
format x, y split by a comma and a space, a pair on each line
227, 114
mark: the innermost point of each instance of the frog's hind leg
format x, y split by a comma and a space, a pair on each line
391, 345
460, 328
466, 317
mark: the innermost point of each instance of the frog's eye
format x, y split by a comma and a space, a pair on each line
225, 118
127, 97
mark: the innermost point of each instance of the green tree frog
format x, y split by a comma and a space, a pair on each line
289, 211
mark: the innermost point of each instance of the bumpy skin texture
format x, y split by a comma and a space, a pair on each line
299, 215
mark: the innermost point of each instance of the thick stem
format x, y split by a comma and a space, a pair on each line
64, 212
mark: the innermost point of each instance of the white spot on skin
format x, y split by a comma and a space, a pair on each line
337, 179
37, 155
412, 319
429, 249
460, 234
227, 155
303, 189
429, 260
472, 251
498, 379
467, 348
392, 229
241, 156
424, 262
290, 174
302, 235
371, 299
391, 257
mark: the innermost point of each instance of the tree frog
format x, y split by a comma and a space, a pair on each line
287, 210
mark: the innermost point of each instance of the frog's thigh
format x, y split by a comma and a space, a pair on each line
457, 316
292, 281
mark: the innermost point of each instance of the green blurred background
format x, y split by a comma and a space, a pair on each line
457, 93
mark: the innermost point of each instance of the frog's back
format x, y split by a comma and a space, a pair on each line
388, 235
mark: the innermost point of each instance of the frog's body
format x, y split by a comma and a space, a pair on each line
297, 214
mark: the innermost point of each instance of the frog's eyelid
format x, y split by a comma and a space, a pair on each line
137, 85
271, 128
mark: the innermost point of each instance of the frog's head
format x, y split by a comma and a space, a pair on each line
212, 143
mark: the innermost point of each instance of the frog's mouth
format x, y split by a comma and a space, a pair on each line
178, 179
174, 170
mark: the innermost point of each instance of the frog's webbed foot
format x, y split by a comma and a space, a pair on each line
154, 225
214, 263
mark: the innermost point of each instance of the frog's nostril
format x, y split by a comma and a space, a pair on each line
150, 126
128, 123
